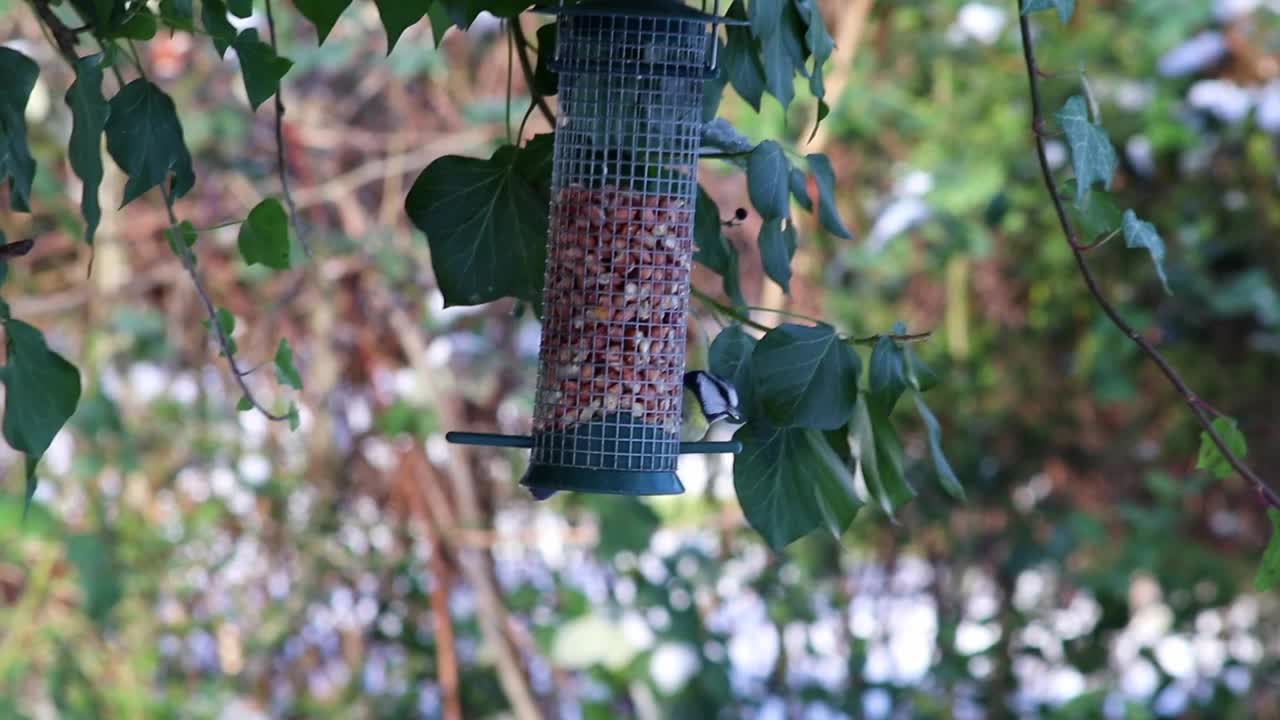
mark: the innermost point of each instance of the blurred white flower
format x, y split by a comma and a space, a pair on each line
979, 22
1223, 99
897, 218
1268, 116
1199, 52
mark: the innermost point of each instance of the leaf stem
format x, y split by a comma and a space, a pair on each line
1077, 250
522, 44
281, 166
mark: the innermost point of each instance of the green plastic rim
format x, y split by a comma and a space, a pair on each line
552, 478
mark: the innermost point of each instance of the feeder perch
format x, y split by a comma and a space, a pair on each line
620, 249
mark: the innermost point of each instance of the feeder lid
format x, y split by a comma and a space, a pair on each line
637, 8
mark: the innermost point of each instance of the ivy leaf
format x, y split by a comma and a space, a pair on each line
730, 358
828, 212
887, 374
1210, 458
240, 8
546, 82
286, 372
790, 482
777, 246
770, 23
41, 393
178, 14
94, 559
227, 323
768, 179
1142, 234
486, 224
17, 79
799, 182
89, 111
1096, 213
440, 22
806, 376
1269, 572
294, 420
141, 25
245, 404
1092, 155
880, 458
323, 14
182, 237
144, 137
264, 235
946, 476
740, 59
261, 67
213, 14
1065, 8
398, 16
714, 250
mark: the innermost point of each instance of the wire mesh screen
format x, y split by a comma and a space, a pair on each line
624, 186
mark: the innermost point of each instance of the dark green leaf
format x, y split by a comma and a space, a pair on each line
286, 372
89, 110
95, 562
1092, 155
828, 211
768, 180
41, 392
946, 476
777, 245
17, 79
1064, 7
805, 376
141, 25
245, 404
1210, 458
773, 22
1095, 214
323, 14
104, 15
227, 323
178, 14
790, 482
213, 13
264, 236
182, 237
1268, 577
240, 8
398, 16
730, 358
880, 458
740, 59
713, 250
546, 82
294, 420
144, 137
440, 21
887, 374
261, 67
799, 182
486, 225
1142, 234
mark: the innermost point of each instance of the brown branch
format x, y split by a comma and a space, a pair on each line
281, 167
1188, 395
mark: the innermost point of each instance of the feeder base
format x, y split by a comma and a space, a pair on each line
546, 479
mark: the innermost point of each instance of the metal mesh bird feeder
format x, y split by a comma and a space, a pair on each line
620, 248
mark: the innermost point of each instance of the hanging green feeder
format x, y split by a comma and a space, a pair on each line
619, 255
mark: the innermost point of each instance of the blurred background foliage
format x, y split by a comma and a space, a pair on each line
184, 560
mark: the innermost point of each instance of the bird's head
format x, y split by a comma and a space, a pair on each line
717, 396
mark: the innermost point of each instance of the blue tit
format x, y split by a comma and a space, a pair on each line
708, 398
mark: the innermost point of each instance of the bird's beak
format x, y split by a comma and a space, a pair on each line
735, 418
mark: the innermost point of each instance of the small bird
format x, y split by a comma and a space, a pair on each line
708, 399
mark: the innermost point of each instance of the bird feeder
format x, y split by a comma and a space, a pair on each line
620, 249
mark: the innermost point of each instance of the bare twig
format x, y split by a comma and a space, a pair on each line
281, 166
64, 38
1077, 250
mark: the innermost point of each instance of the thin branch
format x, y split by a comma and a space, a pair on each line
738, 314
282, 168
1188, 395
64, 38
522, 44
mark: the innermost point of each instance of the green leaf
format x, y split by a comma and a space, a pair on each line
144, 137
946, 476
777, 246
773, 22
799, 182
286, 371
1210, 458
213, 14
323, 14
245, 404
294, 421
1268, 577
880, 458
740, 59
887, 374
261, 67
95, 562
790, 482
89, 111
227, 323
1142, 234
1064, 7
768, 180
546, 82
440, 22
398, 16
806, 376
730, 358
1092, 155
264, 235
240, 8
41, 393
714, 251
17, 79
178, 14
828, 211
141, 25
486, 224
1095, 214
182, 237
